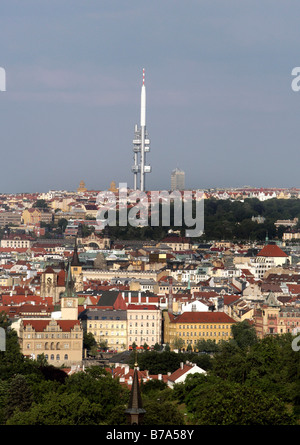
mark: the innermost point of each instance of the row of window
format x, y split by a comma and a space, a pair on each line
215, 326
289, 314
66, 357
57, 335
207, 334
141, 317
146, 339
107, 326
131, 317
46, 346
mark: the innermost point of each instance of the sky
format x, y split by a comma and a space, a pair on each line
218, 81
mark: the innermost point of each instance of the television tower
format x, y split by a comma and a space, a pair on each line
141, 145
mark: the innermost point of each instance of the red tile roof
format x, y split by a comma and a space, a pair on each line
179, 372
203, 317
40, 325
272, 250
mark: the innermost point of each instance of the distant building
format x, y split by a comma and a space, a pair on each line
17, 241
35, 216
177, 179
82, 188
7, 218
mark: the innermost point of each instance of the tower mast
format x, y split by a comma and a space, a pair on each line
141, 144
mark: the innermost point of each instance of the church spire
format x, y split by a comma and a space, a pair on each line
135, 411
69, 284
75, 259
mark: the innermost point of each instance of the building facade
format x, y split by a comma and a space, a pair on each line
177, 179
59, 340
190, 327
144, 324
108, 326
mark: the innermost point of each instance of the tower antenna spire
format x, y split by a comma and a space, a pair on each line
141, 144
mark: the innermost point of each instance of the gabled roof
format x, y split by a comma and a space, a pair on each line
179, 372
272, 250
108, 298
203, 317
41, 325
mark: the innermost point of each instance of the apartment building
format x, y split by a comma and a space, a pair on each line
108, 326
17, 241
144, 324
191, 327
7, 218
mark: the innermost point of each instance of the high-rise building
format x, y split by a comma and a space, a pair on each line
177, 179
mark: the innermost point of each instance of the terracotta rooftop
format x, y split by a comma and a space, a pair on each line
272, 250
203, 317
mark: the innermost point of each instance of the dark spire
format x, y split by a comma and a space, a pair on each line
75, 259
69, 285
135, 411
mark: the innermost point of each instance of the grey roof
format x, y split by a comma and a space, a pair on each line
105, 314
108, 298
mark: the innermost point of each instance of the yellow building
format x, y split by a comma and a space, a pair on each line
190, 327
59, 340
35, 216
109, 327
76, 269
81, 187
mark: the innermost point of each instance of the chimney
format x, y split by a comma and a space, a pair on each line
181, 365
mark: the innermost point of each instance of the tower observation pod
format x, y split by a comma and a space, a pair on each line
141, 145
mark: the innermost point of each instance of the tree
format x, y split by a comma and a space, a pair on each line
234, 404
41, 204
206, 346
19, 395
89, 341
62, 224
97, 387
244, 334
60, 409
178, 343
162, 413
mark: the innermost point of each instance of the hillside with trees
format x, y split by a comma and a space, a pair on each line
247, 382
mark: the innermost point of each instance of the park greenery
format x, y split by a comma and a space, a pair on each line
248, 381
224, 219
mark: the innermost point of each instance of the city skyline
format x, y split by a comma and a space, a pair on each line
219, 96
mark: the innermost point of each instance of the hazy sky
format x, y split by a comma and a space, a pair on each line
219, 100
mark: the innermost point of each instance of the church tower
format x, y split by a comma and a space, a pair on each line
76, 269
69, 299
